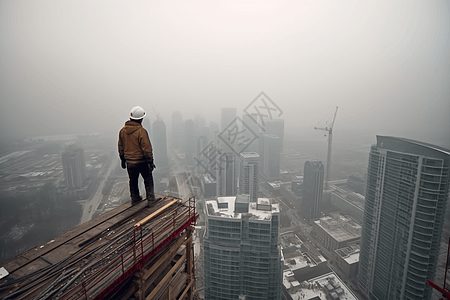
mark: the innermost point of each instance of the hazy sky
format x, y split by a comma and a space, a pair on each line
79, 66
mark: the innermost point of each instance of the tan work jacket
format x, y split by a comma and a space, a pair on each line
134, 143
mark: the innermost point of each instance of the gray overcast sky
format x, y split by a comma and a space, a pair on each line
79, 66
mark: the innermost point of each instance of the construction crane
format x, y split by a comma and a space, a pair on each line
328, 129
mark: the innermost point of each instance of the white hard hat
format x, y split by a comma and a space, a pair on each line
137, 113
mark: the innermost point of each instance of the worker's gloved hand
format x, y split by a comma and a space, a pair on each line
123, 164
152, 166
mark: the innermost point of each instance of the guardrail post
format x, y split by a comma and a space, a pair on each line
134, 246
83, 284
123, 268
142, 248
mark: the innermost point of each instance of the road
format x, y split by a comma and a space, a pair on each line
91, 205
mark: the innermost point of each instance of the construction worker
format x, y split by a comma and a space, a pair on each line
135, 152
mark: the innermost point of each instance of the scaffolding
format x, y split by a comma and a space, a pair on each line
146, 254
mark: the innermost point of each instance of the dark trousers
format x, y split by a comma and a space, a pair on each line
133, 173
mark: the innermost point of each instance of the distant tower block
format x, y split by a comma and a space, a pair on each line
177, 130
190, 143
159, 143
227, 116
406, 195
226, 175
252, 122
249, 175
276, 127
74, 166
312, 190
270, 156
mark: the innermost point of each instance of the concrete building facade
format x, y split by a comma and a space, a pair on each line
241, 250
406, 194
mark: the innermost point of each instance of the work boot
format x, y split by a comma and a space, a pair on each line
152, 201
135, 201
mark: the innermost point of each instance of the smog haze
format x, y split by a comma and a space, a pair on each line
77, 67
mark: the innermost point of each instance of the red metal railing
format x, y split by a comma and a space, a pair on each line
144, 244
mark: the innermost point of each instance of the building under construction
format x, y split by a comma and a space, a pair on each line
129, 252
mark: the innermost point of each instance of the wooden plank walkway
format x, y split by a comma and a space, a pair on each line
73, 245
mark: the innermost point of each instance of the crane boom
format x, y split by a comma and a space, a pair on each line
330, 141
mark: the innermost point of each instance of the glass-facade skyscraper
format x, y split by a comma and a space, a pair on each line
241, 251
406, 194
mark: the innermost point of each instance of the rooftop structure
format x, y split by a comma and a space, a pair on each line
306, 273
324, 287
226, 207
347, 260
336, 231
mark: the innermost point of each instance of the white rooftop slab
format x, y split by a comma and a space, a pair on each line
227, 210
352, 258
319, 287
341, 229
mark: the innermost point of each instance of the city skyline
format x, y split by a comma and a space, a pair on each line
387, 76
233, 91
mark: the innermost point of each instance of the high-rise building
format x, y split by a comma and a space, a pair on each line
201, 158
200, 125
74, 166
241, 253
189, 141
406, 194
249, 175
177, 130
228, 114
276, 127
269, 156
226, 178
250, 120
159, 143
312, 190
